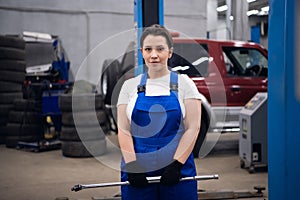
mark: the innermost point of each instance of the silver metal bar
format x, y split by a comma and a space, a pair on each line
155, 179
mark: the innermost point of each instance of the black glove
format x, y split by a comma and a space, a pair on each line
172, 174
136, 176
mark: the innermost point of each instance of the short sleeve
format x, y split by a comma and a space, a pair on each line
189, 88
128, 90
124, 95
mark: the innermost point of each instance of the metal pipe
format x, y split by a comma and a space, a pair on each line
228, 22
155, 179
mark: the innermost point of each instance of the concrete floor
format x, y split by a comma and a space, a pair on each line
47, 175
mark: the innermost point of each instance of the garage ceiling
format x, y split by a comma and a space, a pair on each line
254, 6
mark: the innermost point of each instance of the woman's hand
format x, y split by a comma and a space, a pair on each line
136, 175
172, 174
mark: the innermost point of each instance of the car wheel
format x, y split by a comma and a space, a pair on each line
202, 133
109, 79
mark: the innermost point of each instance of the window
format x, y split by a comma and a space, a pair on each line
190, 58
242, 61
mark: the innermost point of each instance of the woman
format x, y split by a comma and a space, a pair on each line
158, 122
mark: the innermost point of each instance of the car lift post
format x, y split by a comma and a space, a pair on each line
146, 13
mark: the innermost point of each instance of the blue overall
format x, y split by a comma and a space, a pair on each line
156, 128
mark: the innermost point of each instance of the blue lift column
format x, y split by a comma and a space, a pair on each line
146, 13
284, 100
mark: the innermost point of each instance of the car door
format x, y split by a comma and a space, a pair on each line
246, 74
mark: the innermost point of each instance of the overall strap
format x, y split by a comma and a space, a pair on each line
173, 82
142, 86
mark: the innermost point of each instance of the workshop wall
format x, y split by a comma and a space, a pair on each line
84, 24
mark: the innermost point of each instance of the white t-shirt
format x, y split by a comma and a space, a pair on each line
156, 87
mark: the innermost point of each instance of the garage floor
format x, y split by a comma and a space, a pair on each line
26, 175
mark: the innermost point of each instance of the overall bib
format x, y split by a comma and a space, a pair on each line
156, 128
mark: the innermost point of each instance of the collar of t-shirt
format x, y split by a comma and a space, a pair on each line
158, 86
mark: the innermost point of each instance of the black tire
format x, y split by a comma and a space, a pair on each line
25, 117
81, 102
12, 53
10, 41
12, 76
85, 133
10, 86
128, 61
109, 78
80, 150
202, 133
27, 105
3, 121
9, 97
4, 113
13, 65
84, 118
14, 129
11, 141
5, 109
2, 135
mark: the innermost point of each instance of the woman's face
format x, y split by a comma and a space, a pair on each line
156, 53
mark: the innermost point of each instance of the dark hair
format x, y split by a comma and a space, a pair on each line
157, 30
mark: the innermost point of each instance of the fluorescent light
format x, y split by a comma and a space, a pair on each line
222, 8
265, 9
250, 1
252, 12
231, 18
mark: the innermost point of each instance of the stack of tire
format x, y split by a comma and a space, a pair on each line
84, 125
25, 123
12, 76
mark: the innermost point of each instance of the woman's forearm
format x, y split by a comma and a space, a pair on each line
192, 125
124, 135
126, 145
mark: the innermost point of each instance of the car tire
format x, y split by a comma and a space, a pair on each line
13, 65
109, 78
81, 133
25, 117
83, 149
12, 76
81, 102
12, 41
9, 97
84, 118
15, 129
201, 136
28, 105
4, 113
12, 53
11, 141
10, 87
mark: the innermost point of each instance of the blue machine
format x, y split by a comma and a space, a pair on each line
44, 83
53, 90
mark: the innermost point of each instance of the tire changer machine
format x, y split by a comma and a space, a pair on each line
44, 83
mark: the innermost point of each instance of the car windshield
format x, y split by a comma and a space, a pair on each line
190, 58
245, 61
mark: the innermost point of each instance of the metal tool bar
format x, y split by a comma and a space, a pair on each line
155, 179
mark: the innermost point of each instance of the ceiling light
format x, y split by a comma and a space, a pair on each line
222, 8
250, 1
252, 12
265, 9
